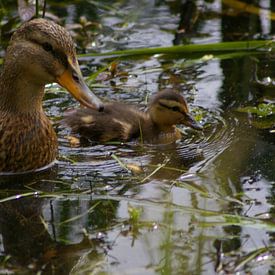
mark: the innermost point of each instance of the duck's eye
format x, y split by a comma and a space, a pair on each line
176, 109
75, 77
47, 47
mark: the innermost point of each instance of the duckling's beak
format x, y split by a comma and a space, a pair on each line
73, 81
191, 122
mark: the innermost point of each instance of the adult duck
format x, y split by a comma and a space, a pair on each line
40, 52
124, 122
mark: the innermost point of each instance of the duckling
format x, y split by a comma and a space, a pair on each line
124, 122
40, 52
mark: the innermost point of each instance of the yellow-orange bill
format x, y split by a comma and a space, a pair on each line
79, 90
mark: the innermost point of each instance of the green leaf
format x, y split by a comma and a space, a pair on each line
262, 110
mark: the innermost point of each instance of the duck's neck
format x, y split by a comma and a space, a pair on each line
18, 93
159, 134
159, 127
152, 129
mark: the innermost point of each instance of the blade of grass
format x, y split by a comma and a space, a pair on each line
121, 164
81, 215
219, 218
155, 171
44, 8
239, 221
252, 256
238, 48
245, 7
102, 6
92, 77
29, 194
36, 8
235, 46
192, 187
18, 196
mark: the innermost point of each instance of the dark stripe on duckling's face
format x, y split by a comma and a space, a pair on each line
182, 110
174, 106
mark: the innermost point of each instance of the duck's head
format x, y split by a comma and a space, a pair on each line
42, 52
169, 108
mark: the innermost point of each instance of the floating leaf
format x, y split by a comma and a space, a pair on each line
264, 115
264, 122
263, 109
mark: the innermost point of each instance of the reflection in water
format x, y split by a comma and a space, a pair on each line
24, 236
36, 232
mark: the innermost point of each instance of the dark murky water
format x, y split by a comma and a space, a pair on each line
184, 214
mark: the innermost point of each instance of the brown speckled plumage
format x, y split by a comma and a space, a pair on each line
50, 31
34, 147
39, 52
124, 122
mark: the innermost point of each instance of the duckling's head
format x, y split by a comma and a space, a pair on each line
42, 52
169, 108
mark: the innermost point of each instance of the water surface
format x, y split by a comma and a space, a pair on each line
186, 212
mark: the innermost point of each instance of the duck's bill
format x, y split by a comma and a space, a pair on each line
74, 83
191, 122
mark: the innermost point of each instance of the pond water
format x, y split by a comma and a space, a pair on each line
204, 205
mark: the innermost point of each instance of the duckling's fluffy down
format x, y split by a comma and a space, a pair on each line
117, 122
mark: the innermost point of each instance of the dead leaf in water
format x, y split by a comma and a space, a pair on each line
136, 169
74, 141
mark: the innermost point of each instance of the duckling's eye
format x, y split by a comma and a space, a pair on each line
47, 47
176, 109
